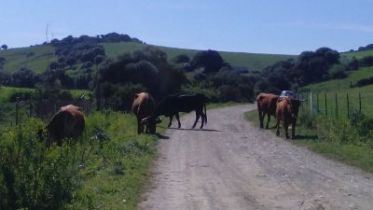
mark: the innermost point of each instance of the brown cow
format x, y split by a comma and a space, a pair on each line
266, 103
287, 112
143, 105
68, 122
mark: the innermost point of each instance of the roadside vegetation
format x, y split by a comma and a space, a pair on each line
106, 169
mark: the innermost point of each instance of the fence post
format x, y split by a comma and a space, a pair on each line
336, 105
326, 105
348, 107
359, 102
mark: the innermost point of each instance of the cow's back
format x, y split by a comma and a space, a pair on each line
143, 105
284, 110
266, 102
68, 122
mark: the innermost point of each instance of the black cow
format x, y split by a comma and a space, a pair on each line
172, 105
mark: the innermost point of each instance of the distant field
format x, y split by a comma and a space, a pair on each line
359, 54
36, 58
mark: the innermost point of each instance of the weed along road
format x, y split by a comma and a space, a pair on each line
233, 165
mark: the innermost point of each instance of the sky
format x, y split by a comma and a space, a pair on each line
258, 26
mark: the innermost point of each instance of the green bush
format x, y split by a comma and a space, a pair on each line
33, 176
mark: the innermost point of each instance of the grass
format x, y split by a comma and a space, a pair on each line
355, 154
358, 54
116, 172
109, 165
7, 92
254, 61
36, 58
341, 88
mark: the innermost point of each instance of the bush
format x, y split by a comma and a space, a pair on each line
338, 72
33, 176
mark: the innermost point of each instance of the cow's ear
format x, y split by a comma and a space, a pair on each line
135, 95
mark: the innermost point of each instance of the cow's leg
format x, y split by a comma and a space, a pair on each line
268, 119
286, 125
178, 119
261, 116
294, 122
171, 117
197, 118
140, 126
278, 127
202, 119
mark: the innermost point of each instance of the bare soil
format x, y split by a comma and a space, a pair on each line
233, 165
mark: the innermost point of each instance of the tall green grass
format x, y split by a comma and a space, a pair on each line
107, 168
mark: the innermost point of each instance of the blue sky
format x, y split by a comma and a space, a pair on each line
260, 26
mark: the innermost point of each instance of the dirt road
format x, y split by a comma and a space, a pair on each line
233, 165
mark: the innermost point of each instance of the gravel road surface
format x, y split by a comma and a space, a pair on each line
233, 165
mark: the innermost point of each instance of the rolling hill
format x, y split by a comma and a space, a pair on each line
37, 58
343, 86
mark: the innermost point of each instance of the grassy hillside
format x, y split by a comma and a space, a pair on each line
36, 58
342, 87
359, 54
250, 60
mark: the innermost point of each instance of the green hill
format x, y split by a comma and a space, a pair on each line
254, 61
37, 58
342, 87
359, 54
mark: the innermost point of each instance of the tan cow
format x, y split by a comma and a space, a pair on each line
287, 112
143, 105
68, 122
266, 103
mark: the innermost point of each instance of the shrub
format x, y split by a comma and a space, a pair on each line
31, 175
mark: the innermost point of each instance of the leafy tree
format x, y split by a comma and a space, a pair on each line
24, 78
181, 59
4, 47
210, 60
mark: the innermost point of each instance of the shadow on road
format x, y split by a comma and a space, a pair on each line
193, 129
160, 136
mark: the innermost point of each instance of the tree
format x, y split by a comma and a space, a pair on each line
182, 58
24, 78
4, 47
210, 60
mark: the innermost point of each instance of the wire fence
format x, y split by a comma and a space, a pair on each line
44, 109
334, 105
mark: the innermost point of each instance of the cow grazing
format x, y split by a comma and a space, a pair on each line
143, 105
172, 105
68, 122
287, 112
266, 103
